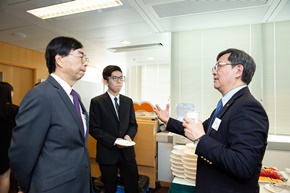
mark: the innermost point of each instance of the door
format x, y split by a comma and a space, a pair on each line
21, 78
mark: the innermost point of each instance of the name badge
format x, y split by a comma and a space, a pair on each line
216, 124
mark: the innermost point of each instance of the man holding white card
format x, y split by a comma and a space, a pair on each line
232, 141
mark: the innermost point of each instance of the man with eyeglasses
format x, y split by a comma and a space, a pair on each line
48, 149
112, 120
231, 143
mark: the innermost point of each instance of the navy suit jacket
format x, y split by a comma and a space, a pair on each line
230, 158
48, 152
106, 128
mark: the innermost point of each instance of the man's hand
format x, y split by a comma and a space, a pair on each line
193, 130
163, 115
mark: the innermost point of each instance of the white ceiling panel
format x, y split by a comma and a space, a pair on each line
138, 21
182, 8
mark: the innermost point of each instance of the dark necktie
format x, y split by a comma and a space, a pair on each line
117, 106
77, 107
217, 110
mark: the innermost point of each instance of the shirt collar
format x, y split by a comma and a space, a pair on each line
62, 83
231, 93
112, 96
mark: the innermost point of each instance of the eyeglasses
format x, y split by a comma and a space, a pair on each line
83, 57
116, 78
218, 65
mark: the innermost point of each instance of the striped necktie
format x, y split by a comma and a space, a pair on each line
117, 106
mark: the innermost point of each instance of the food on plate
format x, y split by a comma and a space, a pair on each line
271, 174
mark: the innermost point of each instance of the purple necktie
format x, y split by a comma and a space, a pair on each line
77, 107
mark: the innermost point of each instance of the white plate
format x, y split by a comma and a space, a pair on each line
189, 160
190, 153
189, 157
191, 146
179, 147
190, 167
176, 162
190, 180
179, 170
190, 176
176, 152
178, 174
190, 173
276, 189
124, 142
177, 157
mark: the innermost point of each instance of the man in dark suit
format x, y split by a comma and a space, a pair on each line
232, 143
112, 119
48, 149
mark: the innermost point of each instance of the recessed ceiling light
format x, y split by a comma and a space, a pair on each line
150, 58
125, 42
20, 35
72, 7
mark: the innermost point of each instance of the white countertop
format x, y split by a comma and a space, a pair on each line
177, 180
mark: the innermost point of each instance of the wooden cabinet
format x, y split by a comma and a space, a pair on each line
145, 148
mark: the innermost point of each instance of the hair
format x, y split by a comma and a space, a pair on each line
59, 46
107, 72
5, 97
240, 57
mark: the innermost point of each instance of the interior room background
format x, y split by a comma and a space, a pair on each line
188, 79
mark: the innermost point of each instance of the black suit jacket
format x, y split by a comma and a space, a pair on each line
230, 159
106, 128
6, 126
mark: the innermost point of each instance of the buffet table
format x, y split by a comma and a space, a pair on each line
180, 185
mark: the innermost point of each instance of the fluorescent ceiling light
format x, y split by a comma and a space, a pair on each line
72, 7
136, 47
125, 42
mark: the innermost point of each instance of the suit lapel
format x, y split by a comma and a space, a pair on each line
110, 105
232, 100
63, 95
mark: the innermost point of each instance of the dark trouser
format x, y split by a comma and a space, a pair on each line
128, 173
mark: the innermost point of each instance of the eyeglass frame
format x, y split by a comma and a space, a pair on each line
218, 65
83, 57
116, 78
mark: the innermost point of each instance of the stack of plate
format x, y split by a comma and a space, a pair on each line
189, 160
176, 160
183, 162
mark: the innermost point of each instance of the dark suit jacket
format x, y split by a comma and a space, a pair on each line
48, 152
106, 128
6, 126
230, 159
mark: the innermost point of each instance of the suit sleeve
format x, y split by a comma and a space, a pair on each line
175, 126
32, 123
239, 150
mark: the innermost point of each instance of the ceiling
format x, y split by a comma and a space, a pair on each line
145, 23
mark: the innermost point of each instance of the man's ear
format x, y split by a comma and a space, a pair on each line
58, 60
239, 70
105, 82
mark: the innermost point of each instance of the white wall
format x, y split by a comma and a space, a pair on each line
194, 54
277, 158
